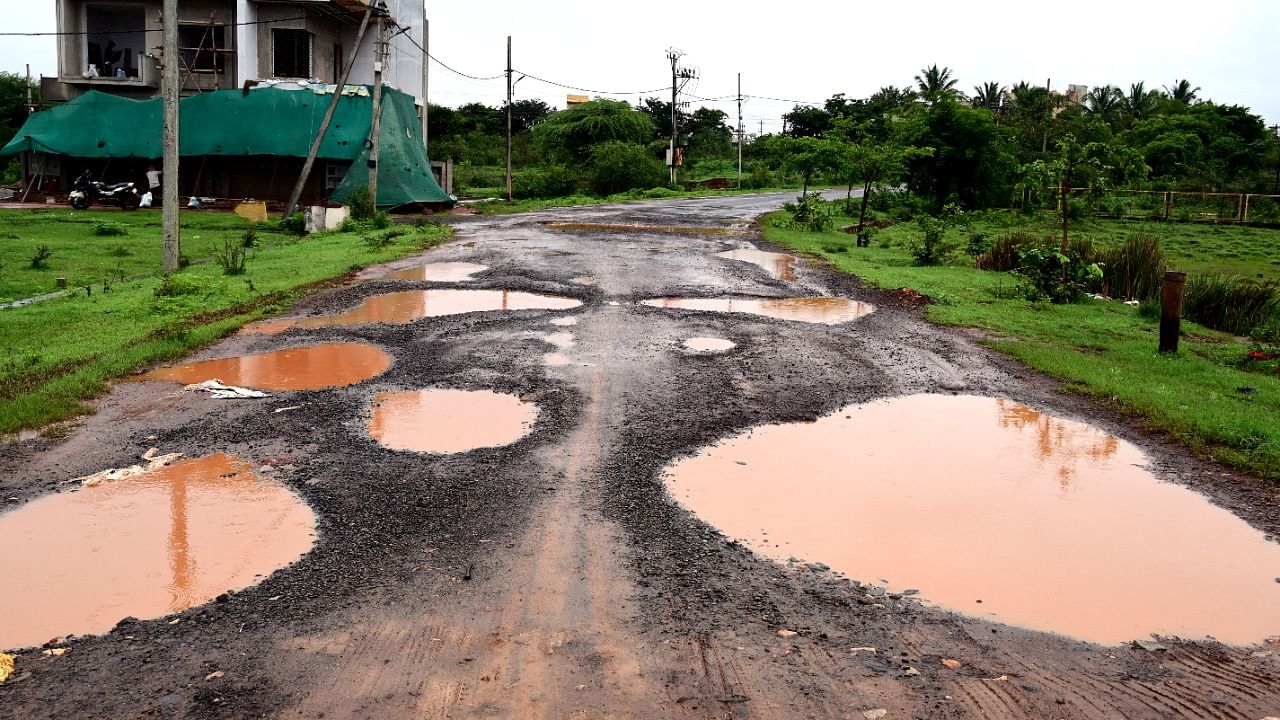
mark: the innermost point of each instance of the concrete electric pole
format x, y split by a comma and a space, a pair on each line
674, 56
426, 72
740, 133
379, 56
510, 87
169, 191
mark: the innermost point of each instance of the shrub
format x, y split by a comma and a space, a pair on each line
381, 221
109, 229
174, 285
810, 212
931, 247
617, 166
119, 251
1051, 275
978, 244
551, 181
40, 260
1003, 254
249, 238
295, 224
231, 256
758, 178
1135, 270
360, 203
1240, 306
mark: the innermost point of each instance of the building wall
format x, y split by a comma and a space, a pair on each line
403, 69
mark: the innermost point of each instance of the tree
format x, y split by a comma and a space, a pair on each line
1140, 103
890, 97
1105, 102
1070, 164
527, 113
13, 104
1182, 92
868, 164
660, 113
617, 166
989, 95
970, 163
809, 156
572, 132
709, 136
933, 83
807, 121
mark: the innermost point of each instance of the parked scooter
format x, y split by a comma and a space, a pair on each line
85, 191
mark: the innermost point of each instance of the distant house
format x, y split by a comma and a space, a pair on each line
236, 57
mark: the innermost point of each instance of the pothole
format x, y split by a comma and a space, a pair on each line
301, 368
1010, 515
399, 308
583, 280
157, 543
445, 421
779, 266
709, 344
824, 310
569, 321
438, 272
628, 228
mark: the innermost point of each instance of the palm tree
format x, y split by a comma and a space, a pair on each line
989, 95
893, 97
1181, 91
1140, 103
1103, 101
934, 82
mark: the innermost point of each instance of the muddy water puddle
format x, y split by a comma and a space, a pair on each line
823, 310
399, 308
569, 321
1011, 515
444, 421
301, 368
175, 537
438, 272
653, 229
778, 265
709, 344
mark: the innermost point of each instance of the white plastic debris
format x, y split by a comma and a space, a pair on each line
154, 461
221, 391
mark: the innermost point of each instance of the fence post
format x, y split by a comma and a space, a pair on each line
1245, 215
1168, 204
1171, 310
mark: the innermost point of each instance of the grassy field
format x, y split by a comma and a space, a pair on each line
60, 352
83, 257
1100, 348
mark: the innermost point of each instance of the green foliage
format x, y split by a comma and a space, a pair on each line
120, 251
979, 244
811, 213
295, 224
931, 246
971, 163
573, 132
361, 204
13, 104
616, 166
40, 260
109, 229
178, 285
231, 257
1056, 276
249, 238
1240, 306
1134, 270
381, 220
546, 181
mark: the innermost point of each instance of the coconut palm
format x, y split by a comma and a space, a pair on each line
1140, 103
1181, 91
1103, 101
934, 82
989, 95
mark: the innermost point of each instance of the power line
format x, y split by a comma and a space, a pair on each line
586, 90
66, 33
442, 64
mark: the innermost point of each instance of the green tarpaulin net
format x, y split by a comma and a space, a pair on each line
229, 123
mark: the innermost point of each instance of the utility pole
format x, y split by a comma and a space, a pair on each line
509, 89
328, 117
379, 54
740, 130
674, 56
1275, 130
172, 231
31, 106
426, 67
1048, 104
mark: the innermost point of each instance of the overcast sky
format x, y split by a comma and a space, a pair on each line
808, 51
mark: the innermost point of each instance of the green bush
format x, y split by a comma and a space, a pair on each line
810, 212
931, 246
175, 285
550, 181
249, 238
40, 260
1003, 254
109, 229
381, 220
360, 203
617, 166
120, 251
231, 256
1051, 275
295, 224
1133, 271
1240, 306
979, 244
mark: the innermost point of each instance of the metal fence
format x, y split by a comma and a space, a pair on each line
1238, 208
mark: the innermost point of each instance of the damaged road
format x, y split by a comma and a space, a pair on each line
555, 576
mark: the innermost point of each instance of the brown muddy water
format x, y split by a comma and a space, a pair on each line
709, 344
78, 562
778, 265
824, 310
405, 307
994, 510
438, 272
445, 421
301, 368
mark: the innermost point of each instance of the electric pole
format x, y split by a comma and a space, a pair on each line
379, 54
740, 130
509, 89
674, 56
426, 65
169, 191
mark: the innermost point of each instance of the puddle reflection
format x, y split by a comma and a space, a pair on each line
449, 421
439, 272
302, 368
709, 344
779, 266
1051, 523
146, 546
824, 310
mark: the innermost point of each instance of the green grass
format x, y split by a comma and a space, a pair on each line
1104, 349
58, 353
83, 257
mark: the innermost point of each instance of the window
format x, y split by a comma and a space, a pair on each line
198, 46
291, 53
114, 40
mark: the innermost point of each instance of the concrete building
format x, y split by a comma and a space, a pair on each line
113, 46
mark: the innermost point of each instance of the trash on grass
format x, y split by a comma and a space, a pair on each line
220, 391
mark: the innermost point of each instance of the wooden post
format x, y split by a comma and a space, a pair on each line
1171, 310
1245, 218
